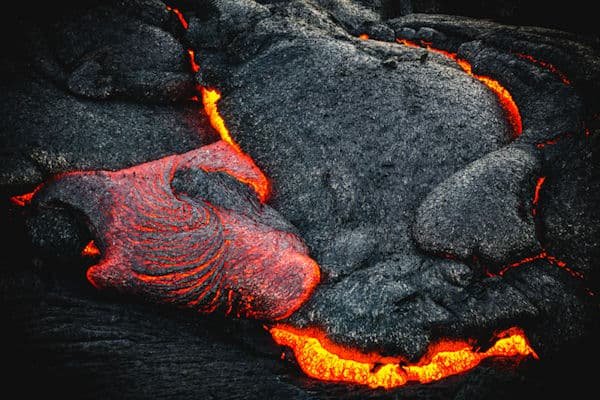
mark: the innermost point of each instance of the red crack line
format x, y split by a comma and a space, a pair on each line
536, 194
193, 64
23, 200
506, 100
547, 66
567, 135
180, 17
553, 140
543, 255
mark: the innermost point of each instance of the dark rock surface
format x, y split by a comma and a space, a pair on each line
484, 203
385, 158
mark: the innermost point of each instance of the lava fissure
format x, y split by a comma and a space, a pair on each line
503, 95
543, 254
193, 64
547, 66
179, 16
210, 98
536, 195
322, 359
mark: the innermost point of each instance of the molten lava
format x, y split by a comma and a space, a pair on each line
319, 358
173, 247
180, 16
193, 64
546, 66
363, 36
536, 194
543, 255
210, 97
504, 96
90, 250
23, 199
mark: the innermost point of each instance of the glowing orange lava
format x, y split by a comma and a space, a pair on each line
363, 36
210, 97
504, 96
536, 194
545, 65
180, 16
90, 250
194, 65
23, 199
319, 358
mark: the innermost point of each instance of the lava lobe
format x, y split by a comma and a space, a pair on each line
215, 250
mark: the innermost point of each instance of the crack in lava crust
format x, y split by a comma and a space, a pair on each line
506, 100
169, 247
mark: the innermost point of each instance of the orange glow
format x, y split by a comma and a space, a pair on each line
543, 255
321, 359
180, 16
536, 194
23, 199
363, 36
407, 43
210, 98
504, 96
193, 63
90, 250
547, 66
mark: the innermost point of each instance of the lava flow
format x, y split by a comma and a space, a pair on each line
23, 199
180, 17
504, 96
175, 247
210, 98
193, 64
319, 358
90, 250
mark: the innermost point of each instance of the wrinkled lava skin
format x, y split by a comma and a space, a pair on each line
172, 247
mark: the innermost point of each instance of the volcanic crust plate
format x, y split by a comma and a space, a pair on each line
433, 209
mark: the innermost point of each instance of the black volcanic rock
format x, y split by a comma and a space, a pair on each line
364, 177
383, 157
483, 210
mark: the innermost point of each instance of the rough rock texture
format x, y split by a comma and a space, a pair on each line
56, 81
478, 212
382, 156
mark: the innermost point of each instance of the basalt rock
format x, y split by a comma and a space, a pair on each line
392, 168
